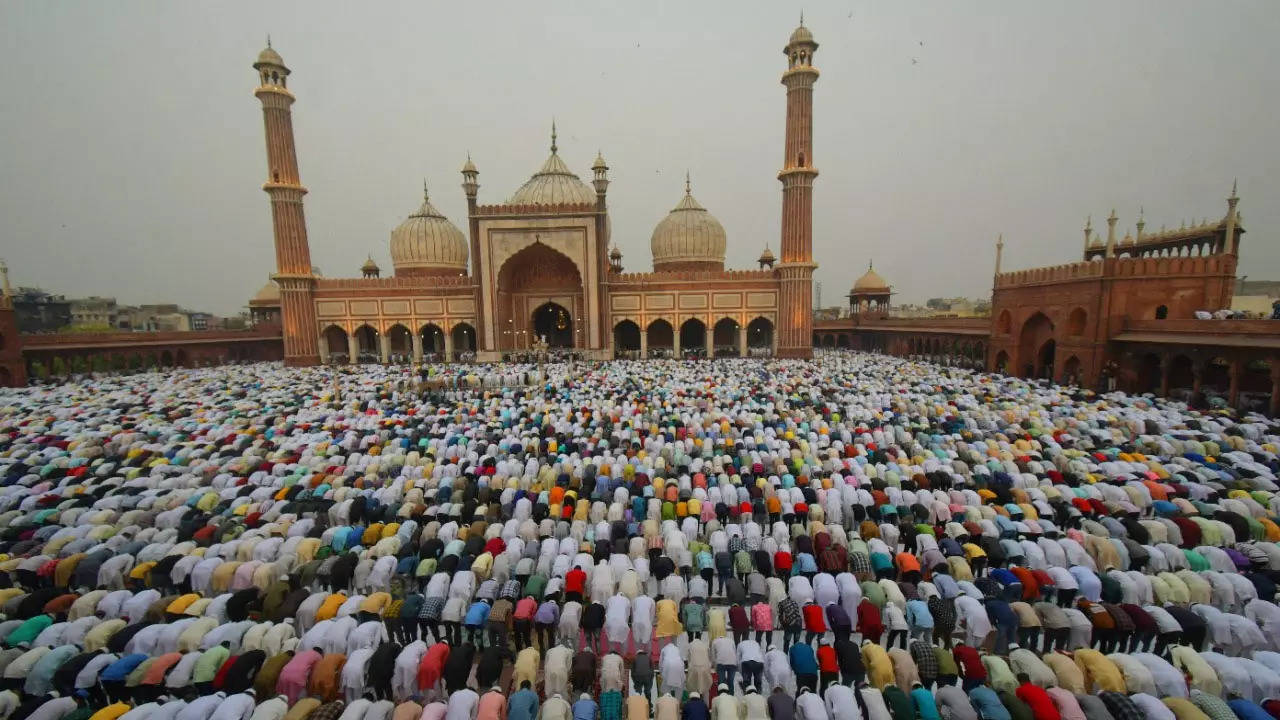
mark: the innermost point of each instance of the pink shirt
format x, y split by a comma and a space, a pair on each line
1068, 707
434, 711
762, 617
493, 706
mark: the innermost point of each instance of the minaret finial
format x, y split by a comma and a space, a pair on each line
687, 187
268, 40
1233, 188
871, 264
802, 18
426, 197
553, 135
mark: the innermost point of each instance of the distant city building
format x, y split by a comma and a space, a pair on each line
94, 311
40, 312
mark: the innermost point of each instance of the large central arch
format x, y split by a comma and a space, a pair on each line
535, 280
553, 323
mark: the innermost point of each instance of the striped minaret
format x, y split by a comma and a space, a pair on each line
796, 266
284, 187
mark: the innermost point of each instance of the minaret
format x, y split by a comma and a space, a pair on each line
1233, 221
795, 271
600, 181
1142, 224
283, 186
1088, 233
471, 187
1111, 234
999, 251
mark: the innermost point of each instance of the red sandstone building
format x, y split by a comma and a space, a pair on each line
540, 266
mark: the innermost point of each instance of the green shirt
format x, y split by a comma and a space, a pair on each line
27, 631
207, 664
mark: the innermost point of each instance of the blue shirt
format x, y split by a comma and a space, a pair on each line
988, 704
523, 705
584, 710
477, 614
120, 669
947, 586
1004, 576
918, 615
804, 563
803, 659
926, 707
1248, 710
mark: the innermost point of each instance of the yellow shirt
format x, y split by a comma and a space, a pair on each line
111, 712
1099, 671
879, 666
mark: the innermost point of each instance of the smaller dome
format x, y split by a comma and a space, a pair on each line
766, 257
469, 167
801, 35
689, 237
870, 282
615, 253
599, 163
369, 266
426, 243
269, 57
268, 295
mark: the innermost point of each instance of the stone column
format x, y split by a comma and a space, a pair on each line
417, 348
324, 350
353, 349
675, 342
384, 347
644, 344
448, 347
742, 340
710, 340
1233, 391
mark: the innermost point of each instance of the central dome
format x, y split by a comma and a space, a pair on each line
426, 243
554, 184
688, 238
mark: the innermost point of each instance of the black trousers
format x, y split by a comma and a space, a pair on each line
1165, 639
523, 631
1056, 638
893, 635
753, 675
1065, 597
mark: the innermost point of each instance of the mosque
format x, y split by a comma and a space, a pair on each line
540, 267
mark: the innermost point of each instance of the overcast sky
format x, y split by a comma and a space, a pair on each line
133, 152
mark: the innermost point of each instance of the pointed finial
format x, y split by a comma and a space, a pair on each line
871, 265
1113, 215
802, 18
687, 187
425, 195
1233, 188
1141, 212
553, 135
1088, 223
1000, 239
268, 41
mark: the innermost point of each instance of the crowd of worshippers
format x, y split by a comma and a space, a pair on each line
856, 537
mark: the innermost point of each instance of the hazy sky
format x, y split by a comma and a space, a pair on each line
133, 148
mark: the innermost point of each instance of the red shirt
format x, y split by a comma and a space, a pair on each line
827, 661
575, 580
970, 664
525, 608
1038, 700
815, 620
782, 562
869, 621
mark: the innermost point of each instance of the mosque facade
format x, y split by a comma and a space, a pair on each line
540, 267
